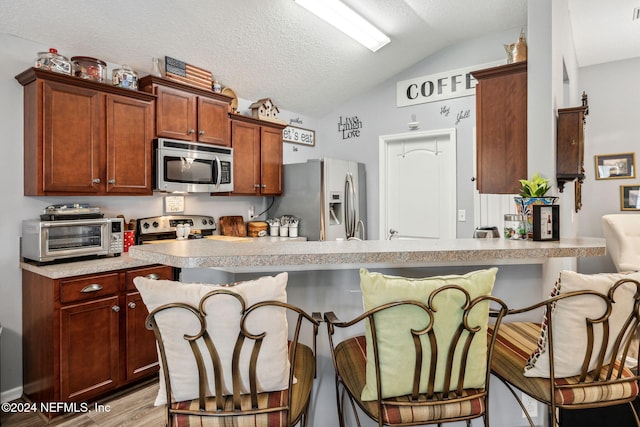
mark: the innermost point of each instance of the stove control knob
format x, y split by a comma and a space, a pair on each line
145, 225
155, 224
204, 221
210, 222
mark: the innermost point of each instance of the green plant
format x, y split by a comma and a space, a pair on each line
536, 187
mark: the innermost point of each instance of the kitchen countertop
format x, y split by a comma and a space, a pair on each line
79, 268
124, 262
262, 255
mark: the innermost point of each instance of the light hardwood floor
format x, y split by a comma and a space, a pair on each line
131, 409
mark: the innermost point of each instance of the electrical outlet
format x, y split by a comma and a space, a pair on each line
531, 405
252, 212
462, 215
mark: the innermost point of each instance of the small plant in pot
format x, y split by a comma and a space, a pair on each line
536, 187
532, 193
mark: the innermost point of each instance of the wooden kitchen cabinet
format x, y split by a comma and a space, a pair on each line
84, 336
570, 143
189, 113
501, 128
257, 153
85, 138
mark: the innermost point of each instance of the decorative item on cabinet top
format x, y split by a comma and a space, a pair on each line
265, 109
517, 52
227, 91
182, 72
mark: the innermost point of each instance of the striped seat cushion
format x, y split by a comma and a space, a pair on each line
351, 360
304, 372
518, 340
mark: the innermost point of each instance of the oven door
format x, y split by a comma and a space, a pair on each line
67, 239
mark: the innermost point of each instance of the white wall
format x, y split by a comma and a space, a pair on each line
612, 127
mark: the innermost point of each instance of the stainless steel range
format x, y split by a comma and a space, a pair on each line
173, 227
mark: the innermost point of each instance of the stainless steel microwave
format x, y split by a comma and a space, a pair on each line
47, 241
190, 167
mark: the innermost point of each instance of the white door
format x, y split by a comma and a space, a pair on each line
418, 185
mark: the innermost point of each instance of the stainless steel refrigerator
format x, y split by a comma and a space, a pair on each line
329, 197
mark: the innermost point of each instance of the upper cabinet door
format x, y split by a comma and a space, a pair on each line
245, 139
176, 114
72, 137
271, 161
129, 135
501, 128
213, 121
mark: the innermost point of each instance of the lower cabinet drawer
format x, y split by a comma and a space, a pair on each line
89, 287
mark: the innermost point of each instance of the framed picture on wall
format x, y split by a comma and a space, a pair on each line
630, 197
615, 166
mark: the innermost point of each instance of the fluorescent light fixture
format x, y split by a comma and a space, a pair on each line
346, 20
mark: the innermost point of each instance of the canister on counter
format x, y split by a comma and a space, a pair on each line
257, 229
514, 227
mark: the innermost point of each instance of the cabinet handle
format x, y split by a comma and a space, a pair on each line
256, 186
574, 142
264, 185
91, 288
112, 181
152, 276
115, 308
201, 132
95, 181
191, 131
132, 305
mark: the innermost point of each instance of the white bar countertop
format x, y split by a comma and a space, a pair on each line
256, 254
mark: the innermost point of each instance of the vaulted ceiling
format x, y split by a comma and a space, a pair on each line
276, 49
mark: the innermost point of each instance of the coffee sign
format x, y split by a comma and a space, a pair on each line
438, 87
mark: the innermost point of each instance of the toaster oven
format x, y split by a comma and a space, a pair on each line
50, 241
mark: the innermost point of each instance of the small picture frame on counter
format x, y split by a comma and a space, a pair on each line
546, 222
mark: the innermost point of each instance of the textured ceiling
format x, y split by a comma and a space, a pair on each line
261, 48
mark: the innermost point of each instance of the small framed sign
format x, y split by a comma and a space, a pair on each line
546, 222
299, 135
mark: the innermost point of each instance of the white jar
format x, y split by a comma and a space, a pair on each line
284, 231
274, 230
293, 231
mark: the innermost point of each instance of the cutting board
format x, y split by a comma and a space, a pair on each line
232, 226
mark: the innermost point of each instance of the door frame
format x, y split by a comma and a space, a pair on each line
384, 142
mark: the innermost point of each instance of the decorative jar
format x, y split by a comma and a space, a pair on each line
125, 77
53, 61
514, 227
89, 68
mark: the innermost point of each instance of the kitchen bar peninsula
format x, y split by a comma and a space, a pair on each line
324, 276
297, 255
